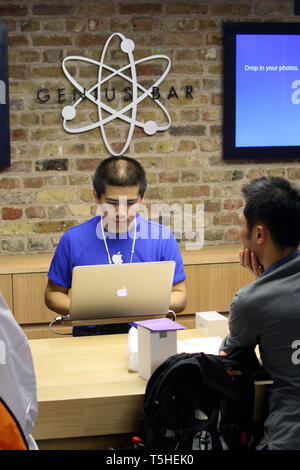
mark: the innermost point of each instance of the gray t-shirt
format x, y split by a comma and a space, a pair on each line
267, 313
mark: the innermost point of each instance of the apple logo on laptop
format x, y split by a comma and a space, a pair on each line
122, 292
117, 258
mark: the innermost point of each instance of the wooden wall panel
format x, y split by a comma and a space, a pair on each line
6, 289
212, 286
29, 303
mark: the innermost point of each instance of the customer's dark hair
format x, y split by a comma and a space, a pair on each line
276, 203
119, 171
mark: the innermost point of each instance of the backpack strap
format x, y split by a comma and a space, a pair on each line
245, 390
214, 374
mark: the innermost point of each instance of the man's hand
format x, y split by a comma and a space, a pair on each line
231, 372
249, 261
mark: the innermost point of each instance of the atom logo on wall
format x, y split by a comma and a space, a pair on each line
150, 127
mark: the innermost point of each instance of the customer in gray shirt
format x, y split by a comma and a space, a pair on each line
267, 312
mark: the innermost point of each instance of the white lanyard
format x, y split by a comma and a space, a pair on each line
107, 250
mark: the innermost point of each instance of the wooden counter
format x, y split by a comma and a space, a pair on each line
87, 398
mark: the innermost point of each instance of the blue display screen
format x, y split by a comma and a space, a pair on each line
267, 90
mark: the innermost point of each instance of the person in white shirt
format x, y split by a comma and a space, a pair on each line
18, 397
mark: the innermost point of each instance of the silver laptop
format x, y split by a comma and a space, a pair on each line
121, 290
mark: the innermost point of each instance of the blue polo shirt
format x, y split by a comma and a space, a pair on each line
83, 245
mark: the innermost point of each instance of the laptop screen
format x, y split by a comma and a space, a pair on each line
124, 290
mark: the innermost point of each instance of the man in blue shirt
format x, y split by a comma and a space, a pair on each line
267, 312
118, 235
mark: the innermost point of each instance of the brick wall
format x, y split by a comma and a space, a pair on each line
48, 186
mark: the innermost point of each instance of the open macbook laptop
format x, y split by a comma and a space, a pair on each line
121, 290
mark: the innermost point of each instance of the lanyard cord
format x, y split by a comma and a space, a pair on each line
105, 243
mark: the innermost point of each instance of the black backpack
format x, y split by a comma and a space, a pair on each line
191, 403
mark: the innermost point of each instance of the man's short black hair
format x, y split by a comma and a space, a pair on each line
275, 202
119, 171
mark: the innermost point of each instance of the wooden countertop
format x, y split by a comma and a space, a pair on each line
84, 388
39, 263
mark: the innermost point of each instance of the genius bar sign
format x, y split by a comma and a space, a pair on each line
106, 113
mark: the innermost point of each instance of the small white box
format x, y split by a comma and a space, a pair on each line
157, 340
211, 323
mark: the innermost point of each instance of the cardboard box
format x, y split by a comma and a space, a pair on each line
211, 323
157, 340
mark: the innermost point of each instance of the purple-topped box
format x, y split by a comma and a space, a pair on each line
157, 340
160, 324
